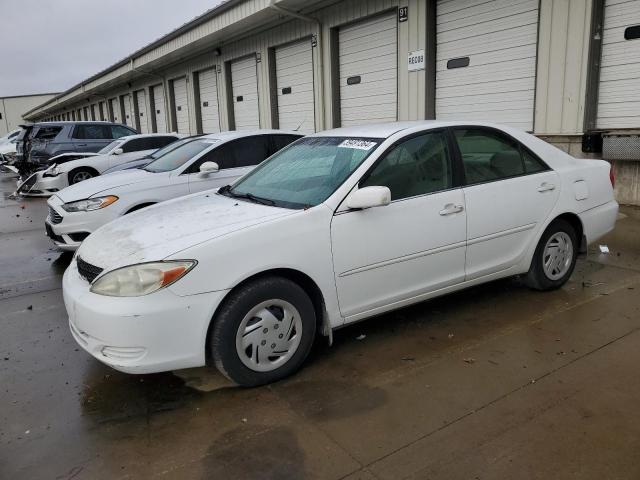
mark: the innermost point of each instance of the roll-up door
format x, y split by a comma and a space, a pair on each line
159, 111
244, 87
141, 102
102, 111
368, 63
128, 111
619, 89
115, 109
94, 108
181, 108
486, 61
85, 113
294, 84
209, 115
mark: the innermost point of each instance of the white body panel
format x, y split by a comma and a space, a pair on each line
181, 108
368, 51
244, 87
209, 114
143, 117
363, 262
619, 89
160, 111
294, 83
498, 85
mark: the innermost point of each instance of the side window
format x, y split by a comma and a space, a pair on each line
118, 131
532, 164
281, 141
136, 145
417, 166
47, 133
159, 142
90, 132
488, 156
249, 151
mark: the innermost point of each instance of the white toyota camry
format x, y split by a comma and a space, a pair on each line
337, 227
190, 165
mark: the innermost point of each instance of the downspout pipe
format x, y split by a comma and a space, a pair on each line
319, 45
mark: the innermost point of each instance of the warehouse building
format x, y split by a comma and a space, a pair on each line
12, 109
566, 70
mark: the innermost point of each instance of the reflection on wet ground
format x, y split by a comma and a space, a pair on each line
494, 382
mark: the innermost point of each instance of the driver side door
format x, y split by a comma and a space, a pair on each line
393, 254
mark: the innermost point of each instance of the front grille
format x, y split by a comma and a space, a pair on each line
54, 216
29, 182
87, 271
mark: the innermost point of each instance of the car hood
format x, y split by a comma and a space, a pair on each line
7, 148
103, 183
162, 230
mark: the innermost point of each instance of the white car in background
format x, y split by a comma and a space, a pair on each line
196, 164
340, 226
71, 168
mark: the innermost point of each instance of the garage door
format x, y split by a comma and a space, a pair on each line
209, 114
368, 63
244, 87
94, 109
294, 84
115, 109
102, 111
141, 102
486, 61
619, 91
128, 110
181, 109
159, 111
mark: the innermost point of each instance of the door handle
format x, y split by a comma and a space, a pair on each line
81, 144
546, 187
450, 209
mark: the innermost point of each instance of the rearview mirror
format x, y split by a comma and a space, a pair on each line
209, 167
118, 151
369, 197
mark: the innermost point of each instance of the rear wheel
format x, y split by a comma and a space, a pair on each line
554, 258
263, 331
80, 175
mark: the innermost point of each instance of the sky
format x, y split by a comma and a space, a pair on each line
51, 45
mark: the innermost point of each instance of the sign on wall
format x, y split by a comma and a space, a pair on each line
416, 60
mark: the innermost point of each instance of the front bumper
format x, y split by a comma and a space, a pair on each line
70, 229
153, 333
46, 186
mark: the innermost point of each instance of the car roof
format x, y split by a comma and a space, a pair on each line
233, 134
385, 130
78, 122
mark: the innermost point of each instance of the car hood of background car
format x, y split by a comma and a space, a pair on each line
161, 230
103, 183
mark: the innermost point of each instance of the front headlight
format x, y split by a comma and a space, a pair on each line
141, 279
90, 204
52, 171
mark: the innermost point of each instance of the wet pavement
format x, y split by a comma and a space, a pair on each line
494, 382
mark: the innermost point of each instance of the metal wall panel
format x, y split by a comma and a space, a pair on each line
368, 71
181, 105
159, 109
244, 87
209, 114
499, 38
294, 87
619, 90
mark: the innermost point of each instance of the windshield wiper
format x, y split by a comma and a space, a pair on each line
226, 190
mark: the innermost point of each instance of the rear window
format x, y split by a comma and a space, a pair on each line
47, 133
91, 132
118, 131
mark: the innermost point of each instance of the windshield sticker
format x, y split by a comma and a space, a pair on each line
357, 144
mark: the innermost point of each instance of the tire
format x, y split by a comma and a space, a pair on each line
261, 309
79, 175
562, 234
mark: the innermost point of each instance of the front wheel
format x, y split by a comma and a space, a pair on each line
80, 175
554, 258
263, 331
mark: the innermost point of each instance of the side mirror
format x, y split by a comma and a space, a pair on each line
369, 197
118, 151
208, 167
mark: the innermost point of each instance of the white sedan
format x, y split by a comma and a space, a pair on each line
339, 226
190, 165
71, 168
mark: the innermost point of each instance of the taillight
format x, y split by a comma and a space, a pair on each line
612, 177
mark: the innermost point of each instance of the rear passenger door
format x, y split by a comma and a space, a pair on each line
509, 192
91, 137
234, 158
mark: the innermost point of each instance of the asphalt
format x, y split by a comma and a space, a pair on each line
496, 382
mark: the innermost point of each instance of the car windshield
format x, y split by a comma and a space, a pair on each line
305, 173
180, 155
112, 146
